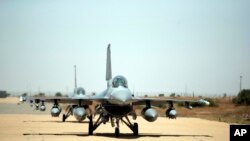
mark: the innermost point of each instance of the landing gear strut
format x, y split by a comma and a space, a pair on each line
117, 132
133, 127
64, 118
101, 119
69, 112
91, 127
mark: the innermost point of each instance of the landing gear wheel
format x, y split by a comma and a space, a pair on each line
117, 132
64, 118
91, 127
135, 129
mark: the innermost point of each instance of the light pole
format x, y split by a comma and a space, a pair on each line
240, 83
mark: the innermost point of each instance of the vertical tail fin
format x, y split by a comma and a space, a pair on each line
75, 89
108, 64
75, 77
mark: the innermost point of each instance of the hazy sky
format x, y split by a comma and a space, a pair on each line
200, 46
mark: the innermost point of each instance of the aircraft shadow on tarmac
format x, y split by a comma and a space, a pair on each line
111, 135
58, 121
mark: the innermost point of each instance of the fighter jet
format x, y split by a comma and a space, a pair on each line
22, 98
77, 110
73, 108
117, 102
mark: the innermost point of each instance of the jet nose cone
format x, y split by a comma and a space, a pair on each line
121, 96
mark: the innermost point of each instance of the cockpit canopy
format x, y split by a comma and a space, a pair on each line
80, 90
119, 81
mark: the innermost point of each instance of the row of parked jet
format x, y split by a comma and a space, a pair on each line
116, 104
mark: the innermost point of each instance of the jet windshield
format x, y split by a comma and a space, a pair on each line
119, 81
80, 91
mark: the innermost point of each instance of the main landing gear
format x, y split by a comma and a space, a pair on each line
69, 110
133, 127
103, 119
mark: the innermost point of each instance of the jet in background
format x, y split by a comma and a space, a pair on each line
73, 108
22, 98
77, 110
117, 102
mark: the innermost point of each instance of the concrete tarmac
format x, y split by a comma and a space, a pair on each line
26, 125
23, 127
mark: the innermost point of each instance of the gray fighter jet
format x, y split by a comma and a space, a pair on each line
117, 102
73, 108
77, 110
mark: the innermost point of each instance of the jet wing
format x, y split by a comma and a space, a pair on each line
88, 100
157, 101
85, 100
67, 100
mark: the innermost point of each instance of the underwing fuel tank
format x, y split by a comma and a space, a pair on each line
79, 113
149, 114
171, 113
42, 108
55, 111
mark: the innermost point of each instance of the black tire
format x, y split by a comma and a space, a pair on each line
91, 128
63, 118
135, 129
117, 132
